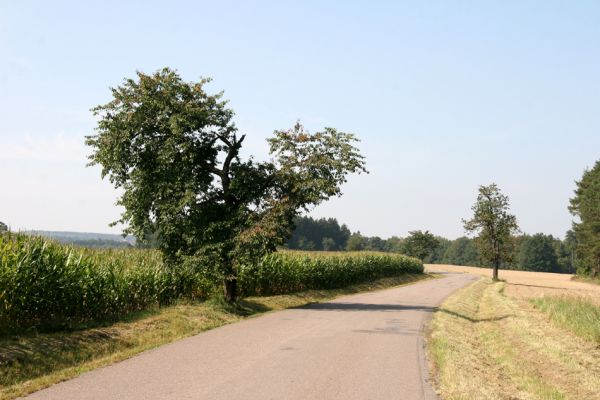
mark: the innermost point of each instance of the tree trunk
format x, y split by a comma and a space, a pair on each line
230, 289
495, 273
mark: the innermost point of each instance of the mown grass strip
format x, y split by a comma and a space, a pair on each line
486, 345
32, 362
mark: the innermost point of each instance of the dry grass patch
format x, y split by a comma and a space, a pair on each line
32, 362
487, 345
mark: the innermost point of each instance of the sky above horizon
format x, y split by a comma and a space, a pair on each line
444, 95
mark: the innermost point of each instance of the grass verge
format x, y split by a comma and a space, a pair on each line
573, 313
32, 362
485, 345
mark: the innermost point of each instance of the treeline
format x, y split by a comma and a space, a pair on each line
538, 252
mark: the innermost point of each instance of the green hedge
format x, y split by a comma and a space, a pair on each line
293, 271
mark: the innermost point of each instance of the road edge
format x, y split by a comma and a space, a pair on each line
429, 392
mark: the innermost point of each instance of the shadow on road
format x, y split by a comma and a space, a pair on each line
391, 307
364, 307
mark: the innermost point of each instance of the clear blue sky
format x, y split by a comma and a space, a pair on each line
445, 95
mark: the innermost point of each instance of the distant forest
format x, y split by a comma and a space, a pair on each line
538, 252
88, 239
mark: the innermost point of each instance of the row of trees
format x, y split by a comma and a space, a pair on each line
497, 242
327, 234
538, 252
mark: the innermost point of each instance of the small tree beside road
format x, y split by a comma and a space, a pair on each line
493, 225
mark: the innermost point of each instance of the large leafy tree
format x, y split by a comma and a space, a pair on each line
419, 244
493, 225
586, 206
174, 151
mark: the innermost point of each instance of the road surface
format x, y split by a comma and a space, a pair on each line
364, 346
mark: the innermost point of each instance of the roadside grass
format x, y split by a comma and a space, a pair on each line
31, 362
486, 345
576, 314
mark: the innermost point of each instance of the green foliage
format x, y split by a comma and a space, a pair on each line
329, 244
462, 251
586, 206
46, 285
419, 244
578, 315
438, 252
356, 242
174, 152
493, 225
311, 234
292, 271
394, 244
537, 253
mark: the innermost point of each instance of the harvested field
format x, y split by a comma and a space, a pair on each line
510, 340
530, 285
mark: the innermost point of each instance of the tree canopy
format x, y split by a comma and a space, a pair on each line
174, 151
419, 244
318, 234
585, 206
493, 225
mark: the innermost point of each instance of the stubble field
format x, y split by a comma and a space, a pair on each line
530, 336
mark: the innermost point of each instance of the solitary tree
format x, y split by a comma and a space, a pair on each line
493, 225
174, 152
419, 244
586, 206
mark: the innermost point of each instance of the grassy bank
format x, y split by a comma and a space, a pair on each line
486, 345
579, 315
31, 362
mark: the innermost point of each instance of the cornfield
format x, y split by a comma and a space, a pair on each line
48, 286
294, 271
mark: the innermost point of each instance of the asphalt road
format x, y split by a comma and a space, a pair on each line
364, 346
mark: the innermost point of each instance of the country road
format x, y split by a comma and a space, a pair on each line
364, 346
